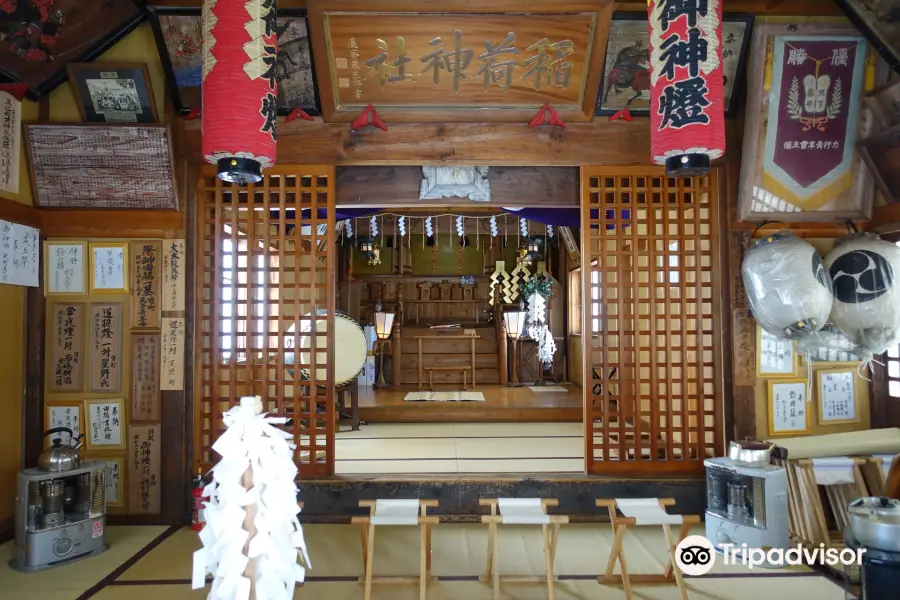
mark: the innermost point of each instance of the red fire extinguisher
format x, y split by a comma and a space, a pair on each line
198, 519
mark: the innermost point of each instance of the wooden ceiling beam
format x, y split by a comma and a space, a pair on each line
759, 7
398, 188
600, 142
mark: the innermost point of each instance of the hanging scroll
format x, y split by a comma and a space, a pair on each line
113, 477
145, 282
173, 275
10, 142
62, 414
788, 407
144, 469
172, 354
109, 268
105, 424
67, 350
837, 396
65, 268
106, 348
18, 254
145, 377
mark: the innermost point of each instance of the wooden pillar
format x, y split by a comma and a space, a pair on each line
396, 347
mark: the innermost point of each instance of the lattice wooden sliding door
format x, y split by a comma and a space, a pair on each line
265, 264
650, 321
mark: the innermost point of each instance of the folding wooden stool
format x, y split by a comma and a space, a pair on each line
639, 512
396, 512
521, 511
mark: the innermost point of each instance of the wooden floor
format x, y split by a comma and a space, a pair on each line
501, 404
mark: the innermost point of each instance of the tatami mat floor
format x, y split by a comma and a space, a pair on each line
381, 448
458, 556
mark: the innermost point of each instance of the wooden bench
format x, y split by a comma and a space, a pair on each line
431, 371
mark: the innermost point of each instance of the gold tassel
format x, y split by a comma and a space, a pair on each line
770, 56
871, 61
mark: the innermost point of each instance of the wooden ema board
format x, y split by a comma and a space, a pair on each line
105, 364
650, 244
118, 166
67, 357
464, 66
172, 354
173, 275
144, 469
145, 301
293, 266
145, 377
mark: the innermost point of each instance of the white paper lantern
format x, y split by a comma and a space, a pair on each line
788, 286
866, 307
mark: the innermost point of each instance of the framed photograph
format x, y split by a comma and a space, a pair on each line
38, 39
789, 407
179, 37
109, 268
63, 413
838, 396
113, 92
775, 358
65, 268
114, 480
626, 74
800, 157
105, 424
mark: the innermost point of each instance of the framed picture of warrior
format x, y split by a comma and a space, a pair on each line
38, 38
804, 122
179, 37
626, 74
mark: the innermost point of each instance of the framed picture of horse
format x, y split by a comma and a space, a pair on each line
626, 74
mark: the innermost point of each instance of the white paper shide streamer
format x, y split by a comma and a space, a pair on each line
494, 230
253, 488
460, 230
538, 329
348, 228
523, 226
373, 227
550, 231
401, 223
428, 230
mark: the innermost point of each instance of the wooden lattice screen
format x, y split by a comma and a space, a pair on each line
650, 321
266, 262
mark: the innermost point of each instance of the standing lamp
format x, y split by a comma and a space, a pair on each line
515, 324
384, 323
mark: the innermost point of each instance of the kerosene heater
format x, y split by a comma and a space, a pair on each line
60, 508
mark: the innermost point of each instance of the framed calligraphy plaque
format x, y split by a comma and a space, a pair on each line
838, 400
19, 254
10, 141
144, 483
775, 357
801, 161
172, 363
456, 60
106, 348
105, 424
145, 352
65, 268
146, 267
63, 413
174, 262
626, 74
109, 268
114, 479
67, 357
788, 407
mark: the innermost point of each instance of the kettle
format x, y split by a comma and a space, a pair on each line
59, 458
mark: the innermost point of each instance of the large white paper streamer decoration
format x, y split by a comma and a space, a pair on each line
373, 227
864, 269
348, 228
254, 477
788, 286
494, 229
401, 222
538, 329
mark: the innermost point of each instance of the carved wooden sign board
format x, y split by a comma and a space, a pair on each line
417, 65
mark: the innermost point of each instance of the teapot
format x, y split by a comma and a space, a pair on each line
58, 458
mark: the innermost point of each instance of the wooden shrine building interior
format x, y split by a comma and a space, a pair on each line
655, 351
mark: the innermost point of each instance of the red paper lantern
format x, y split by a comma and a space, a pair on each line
239, 89
687, 96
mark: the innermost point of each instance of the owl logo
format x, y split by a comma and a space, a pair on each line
861, 276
